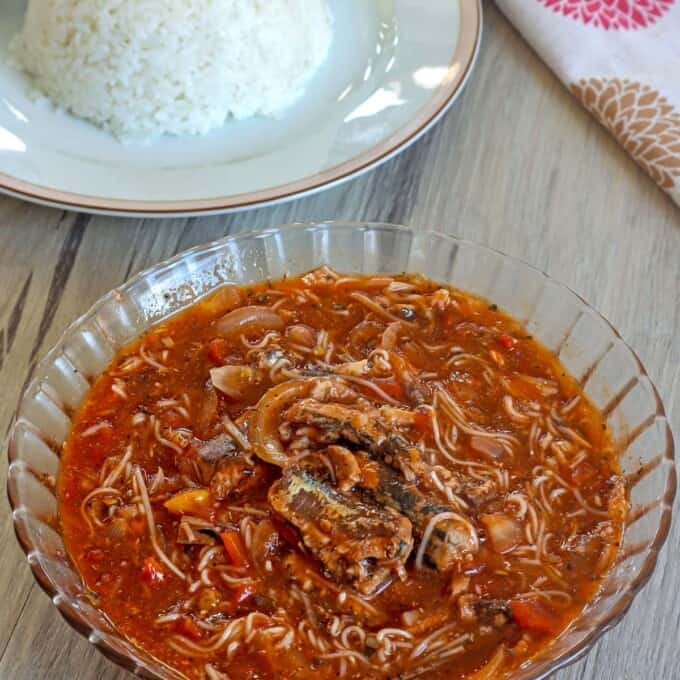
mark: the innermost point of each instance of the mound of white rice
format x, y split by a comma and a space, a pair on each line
142, 68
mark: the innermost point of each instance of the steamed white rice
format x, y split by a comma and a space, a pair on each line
142, 68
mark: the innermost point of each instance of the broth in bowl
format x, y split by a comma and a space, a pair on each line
340, 476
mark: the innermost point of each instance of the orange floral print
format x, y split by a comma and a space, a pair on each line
643, 121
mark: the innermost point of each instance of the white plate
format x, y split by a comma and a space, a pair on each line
394, 68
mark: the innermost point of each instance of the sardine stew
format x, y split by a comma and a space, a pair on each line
331, 476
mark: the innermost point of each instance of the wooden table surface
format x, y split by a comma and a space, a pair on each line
516, 164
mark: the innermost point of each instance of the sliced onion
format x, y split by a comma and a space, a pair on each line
251, 319
264, 544
390, 336
264, 425
231, 380
364, 333
504, 532
302, 335
223, 300
411, 617
207, 411
488, 446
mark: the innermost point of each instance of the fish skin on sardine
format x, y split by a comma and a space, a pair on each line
356, 540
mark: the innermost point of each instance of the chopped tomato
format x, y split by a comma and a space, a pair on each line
393, 389
422, 422
188, 627
507, 341
152, 571
235, 548
243, 593
217, 350
534, 615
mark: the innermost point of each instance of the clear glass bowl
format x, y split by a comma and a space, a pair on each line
610, 373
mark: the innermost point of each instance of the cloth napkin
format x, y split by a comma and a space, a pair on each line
621, 60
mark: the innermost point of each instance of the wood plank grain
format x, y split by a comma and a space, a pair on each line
515, 164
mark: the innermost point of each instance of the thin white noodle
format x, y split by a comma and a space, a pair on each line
152, 527
93, 429
167, 618
232, 647
521, 502
375, 307
570, 405
162, 440
578, 458
215, 674
235, 433
575, 437
232, 581
371, 386
130, 364
347, 653
158, 479
112, 478
150, 360
99, 491
233, 628
279, 303
578, 496
287, 640
329, 466
548, 595
533, 519
509, 406
423, 644
451, 437
353, 630
184, 412
442, 449
119, 390
399, 632
334, 629
454, 411
247, 509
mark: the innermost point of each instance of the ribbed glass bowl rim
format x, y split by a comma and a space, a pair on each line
570, 655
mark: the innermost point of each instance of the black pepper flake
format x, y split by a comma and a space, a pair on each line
493, 308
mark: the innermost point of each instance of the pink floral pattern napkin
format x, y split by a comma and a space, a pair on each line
621, 59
